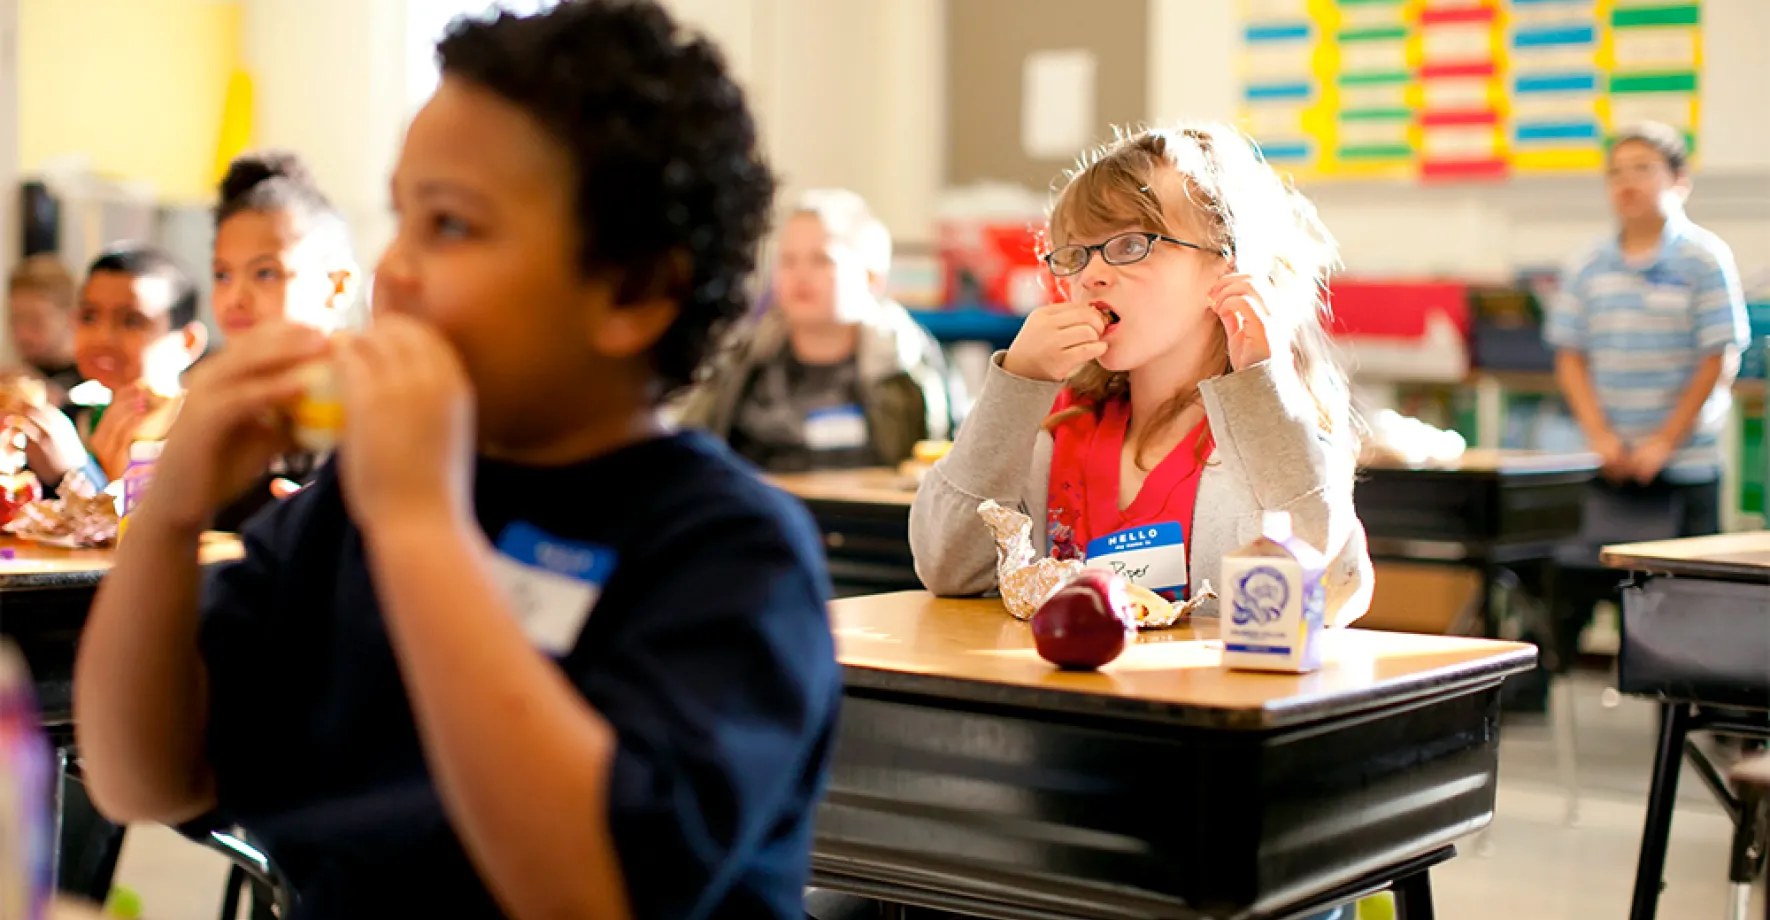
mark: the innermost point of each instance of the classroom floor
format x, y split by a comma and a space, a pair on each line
1533, 866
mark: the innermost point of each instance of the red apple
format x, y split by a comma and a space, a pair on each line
1087, 623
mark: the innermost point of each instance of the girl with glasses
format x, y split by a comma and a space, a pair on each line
1182, 388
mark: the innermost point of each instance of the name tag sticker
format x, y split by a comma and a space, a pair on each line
1152, 557
836, 428
551, 584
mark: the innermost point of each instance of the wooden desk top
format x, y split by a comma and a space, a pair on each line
1727, 555
1488, 461
863, 487
34, 566
972, 649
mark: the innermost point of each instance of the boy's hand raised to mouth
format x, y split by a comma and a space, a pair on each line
1055, 341
231, 424
407, 455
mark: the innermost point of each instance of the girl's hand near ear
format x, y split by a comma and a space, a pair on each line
1240, 303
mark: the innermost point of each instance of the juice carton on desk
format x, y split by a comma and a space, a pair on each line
1274, 605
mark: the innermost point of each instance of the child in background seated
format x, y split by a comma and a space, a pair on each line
135, 333
518, 650
834, 375
282, 252
40, 318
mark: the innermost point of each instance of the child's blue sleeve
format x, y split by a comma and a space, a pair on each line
1721, 320
1564, 316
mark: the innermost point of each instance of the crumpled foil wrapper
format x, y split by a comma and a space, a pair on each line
1165, 614
1025, 580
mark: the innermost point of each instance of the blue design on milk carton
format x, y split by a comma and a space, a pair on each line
1277, 606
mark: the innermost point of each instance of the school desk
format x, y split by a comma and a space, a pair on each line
45, 593
1696, 638
971, 776
1487, 511
865, 519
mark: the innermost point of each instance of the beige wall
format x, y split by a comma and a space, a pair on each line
987, 43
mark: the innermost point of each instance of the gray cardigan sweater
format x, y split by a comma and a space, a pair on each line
1270, 456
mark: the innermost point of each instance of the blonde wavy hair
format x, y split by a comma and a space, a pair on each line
1247, 214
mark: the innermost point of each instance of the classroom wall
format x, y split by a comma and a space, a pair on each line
1490, 231
135, 86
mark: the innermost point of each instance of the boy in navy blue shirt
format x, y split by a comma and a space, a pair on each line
518, 651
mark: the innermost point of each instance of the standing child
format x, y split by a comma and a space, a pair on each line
282, 252
1186, 381
518, 650
1648, 329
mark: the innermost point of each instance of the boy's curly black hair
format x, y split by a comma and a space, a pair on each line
672, 194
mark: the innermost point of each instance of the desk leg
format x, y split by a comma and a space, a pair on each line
86, 845
1413, 897
1662, 795
1749, 838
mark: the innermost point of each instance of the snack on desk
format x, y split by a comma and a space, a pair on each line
925, 454
71, 520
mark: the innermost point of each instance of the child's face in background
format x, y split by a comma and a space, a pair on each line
41, 331
486, 251
123, 333
1641, 183
1160, 301
266, 269
817, 280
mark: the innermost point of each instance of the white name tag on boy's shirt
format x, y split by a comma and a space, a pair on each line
551, 584
1152, 557
836, 428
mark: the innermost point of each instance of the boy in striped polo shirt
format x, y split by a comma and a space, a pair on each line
1647, 329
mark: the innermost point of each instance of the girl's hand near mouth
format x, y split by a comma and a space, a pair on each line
1055, 341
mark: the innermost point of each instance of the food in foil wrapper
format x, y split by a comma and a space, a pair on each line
72, 519
1024, 578
1156, 612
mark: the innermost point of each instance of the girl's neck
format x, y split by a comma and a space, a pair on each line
824, 343
1155, 385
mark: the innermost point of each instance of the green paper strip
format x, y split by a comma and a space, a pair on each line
1375, 33
1682, 82
1375, 78
1376, 114
1376, 152
1634, 16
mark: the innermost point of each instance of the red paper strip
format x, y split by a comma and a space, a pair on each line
1435, 17
1458, 119
1461, 170
1460, 69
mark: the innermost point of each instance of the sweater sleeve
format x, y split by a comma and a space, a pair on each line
954, 552
1265, 423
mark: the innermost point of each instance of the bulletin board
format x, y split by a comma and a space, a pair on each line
1446, 90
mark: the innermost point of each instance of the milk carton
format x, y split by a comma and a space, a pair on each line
1274, 606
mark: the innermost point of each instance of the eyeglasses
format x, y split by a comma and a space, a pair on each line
1124, 249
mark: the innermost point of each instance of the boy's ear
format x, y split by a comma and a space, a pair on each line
636, 310
194, 339
626, 330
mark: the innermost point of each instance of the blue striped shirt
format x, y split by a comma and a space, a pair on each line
1646, 325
